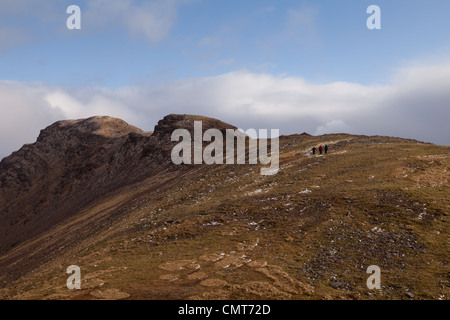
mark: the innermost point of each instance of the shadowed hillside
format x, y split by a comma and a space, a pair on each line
104, 195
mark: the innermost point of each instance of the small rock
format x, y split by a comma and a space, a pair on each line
410, 295
288, 239
334, 285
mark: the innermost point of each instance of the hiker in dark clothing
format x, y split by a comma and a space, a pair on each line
314, 150
320, 149
326, 149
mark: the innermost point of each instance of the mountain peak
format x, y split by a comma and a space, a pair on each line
169, 123
107, 127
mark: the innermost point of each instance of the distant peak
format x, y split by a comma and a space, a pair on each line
105, 126
186, 121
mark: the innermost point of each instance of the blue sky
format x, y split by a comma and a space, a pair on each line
140, 60
321, 41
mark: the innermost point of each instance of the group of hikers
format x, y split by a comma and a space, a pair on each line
321, 149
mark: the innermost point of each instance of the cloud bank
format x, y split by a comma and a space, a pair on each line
416, 104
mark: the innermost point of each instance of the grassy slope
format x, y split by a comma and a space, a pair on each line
225, 232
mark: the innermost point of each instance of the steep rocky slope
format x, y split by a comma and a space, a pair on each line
76, 162
103, 195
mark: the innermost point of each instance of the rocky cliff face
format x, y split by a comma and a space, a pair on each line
74, 162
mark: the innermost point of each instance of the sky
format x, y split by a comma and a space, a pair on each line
293, 65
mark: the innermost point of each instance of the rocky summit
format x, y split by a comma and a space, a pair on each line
103, 195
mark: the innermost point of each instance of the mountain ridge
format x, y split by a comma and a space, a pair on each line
90, 182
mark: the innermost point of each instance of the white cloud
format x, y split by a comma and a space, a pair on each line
23, 113
100, 102
150, 19
415, 105
303, 18
335, 126
301, 27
